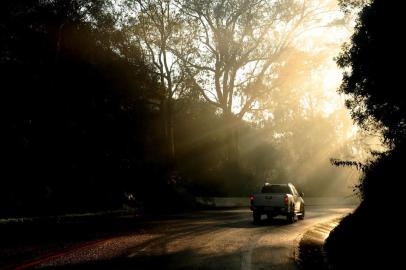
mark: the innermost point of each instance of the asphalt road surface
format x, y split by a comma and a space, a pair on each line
204, 240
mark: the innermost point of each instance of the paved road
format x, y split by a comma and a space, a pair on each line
205, 240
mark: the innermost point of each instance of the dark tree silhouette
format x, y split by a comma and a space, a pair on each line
374, 83
374, 79
76, 105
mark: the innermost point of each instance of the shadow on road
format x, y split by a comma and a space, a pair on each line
262, 258
186, 259
249, 223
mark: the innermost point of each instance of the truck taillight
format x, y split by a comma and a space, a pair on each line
252, 197
286, 200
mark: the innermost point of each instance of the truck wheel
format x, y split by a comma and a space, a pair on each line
291, 217
257, 217
302, 213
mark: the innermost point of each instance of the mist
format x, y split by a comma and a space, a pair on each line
292, 133
214, 98
200, 134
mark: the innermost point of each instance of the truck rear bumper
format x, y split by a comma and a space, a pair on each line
273, 210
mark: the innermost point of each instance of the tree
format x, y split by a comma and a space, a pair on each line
374, 82
226, 50
77, 117
157, 29
372, 78
238, 46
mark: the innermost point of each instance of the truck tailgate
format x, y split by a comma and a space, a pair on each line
269, 199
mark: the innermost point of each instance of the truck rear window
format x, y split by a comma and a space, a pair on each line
276, 189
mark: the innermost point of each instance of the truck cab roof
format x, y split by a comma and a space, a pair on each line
276, 188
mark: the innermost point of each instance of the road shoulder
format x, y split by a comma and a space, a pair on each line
310, 251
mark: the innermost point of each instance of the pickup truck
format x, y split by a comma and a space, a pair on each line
277, 199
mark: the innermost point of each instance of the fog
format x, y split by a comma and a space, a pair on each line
173, 98
306, 123
302, 123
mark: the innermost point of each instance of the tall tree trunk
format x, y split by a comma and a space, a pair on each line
58, 42
232, 124
171, 138
167, 116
